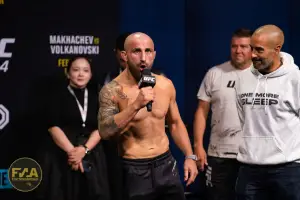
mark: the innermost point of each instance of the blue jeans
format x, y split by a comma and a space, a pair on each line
270, 182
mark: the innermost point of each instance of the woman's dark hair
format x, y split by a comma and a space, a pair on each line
73, 59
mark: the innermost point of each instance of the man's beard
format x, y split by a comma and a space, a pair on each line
134, 72
261, 64
238, 64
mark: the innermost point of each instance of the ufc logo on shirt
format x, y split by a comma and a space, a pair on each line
231, 84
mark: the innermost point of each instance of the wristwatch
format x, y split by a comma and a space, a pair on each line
87, 150
193, 157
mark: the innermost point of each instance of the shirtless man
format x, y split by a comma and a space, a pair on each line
150, 171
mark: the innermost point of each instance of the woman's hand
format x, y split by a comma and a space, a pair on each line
76, 154
79, 166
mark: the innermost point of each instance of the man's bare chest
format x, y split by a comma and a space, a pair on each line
160, 104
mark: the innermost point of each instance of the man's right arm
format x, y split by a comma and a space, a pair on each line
204, 95
200, 122
110, 120
199, 129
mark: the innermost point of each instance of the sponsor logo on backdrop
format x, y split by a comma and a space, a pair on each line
25, 174
4, 116
64, 46
4, 181
5, 52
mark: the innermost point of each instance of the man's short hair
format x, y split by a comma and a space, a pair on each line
242, 32
121, 40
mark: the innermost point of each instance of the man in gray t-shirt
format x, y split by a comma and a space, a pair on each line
217, 91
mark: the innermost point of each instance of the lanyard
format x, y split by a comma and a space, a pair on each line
83, 111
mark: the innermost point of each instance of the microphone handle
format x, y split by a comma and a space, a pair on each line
149, 106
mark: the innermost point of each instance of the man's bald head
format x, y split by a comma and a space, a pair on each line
139, 53
266, 43
138, 36
273, 35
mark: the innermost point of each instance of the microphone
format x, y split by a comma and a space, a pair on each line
147, 80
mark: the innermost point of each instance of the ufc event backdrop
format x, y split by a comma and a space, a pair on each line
36, 40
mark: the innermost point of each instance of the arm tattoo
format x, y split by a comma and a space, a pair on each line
108, 108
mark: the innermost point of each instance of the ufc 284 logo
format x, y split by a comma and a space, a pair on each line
4, 53
4, 116
231, 84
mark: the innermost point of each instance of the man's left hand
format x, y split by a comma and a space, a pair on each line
190, 171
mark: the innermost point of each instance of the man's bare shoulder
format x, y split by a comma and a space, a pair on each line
164, 82
112, 90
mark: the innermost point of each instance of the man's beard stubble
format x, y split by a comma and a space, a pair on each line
134, 72
263, 64
239, 65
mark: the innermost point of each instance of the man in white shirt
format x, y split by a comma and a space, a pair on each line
217, 91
